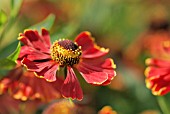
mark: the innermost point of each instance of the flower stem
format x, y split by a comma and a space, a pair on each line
22, 107
65, 72
163, 105
71, 101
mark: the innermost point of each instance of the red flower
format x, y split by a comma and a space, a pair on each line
44, 59
25, 85
158, 76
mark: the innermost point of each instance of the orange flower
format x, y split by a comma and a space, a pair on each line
61, 107
107, 110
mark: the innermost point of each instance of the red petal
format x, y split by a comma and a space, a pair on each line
50, 75
158, 62
45, 70
89, 48
25, 50
156, 72
85, 40
104, 69
33, 39
92, 74
94, 52
36, 66
46, 37
158, 76
37, 55
71, 87
32, 54
25, 40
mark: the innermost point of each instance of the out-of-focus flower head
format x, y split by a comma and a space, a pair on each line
158, 76
26, 86
39, 56
61, 107
157, 73
156, 37
8, 105
150, 41
107, 110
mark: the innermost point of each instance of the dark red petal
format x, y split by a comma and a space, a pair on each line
25, 40
36, 66
46, 37
71, 87
34, 38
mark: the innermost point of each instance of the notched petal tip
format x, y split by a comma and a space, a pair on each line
71, 87
113, 65
86, 34
38, 75
49, 80
146, 72
28, 30
20, 36
148, 85
148, 61
102, 49
44, 31
73, 98
24, 61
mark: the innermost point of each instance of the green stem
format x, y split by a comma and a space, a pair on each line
22, 107
71, 101
65, 72
163, 105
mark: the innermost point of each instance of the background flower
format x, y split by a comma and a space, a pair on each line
157, 76
26, 86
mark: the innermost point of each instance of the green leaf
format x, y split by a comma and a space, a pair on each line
46, 23
15, 54
15, 6
66, 31
3, 17
7, 50
7, 64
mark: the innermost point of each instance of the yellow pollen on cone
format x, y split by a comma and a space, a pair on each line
65, 56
